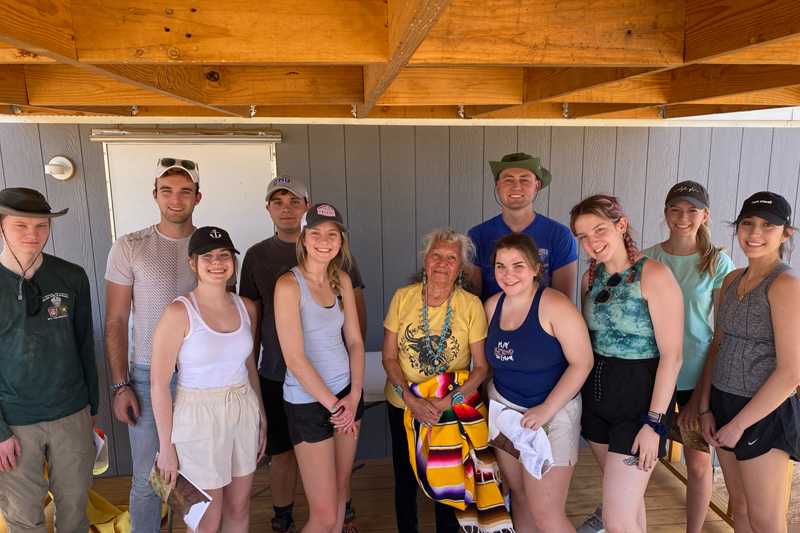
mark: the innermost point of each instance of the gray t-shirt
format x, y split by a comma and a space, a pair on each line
746, 356
263, 264
158, 268
323, 346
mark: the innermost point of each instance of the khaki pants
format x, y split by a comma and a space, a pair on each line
67, 446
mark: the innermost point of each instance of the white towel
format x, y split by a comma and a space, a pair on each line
533, 446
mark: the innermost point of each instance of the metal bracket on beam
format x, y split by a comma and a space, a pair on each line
134, 110
15, 109
354, 110
461, 111
252, 111
565, 109
662, 111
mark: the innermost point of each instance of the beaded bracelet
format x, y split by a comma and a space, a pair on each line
706, 412
120, 385
458, 398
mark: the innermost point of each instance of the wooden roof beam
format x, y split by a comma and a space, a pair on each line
544, 83
700, 82
311, 32
13, 55
786, 52
605, 110
718, 27
437, 86
545, 110
696, 110
634, 33
13, 89
50, 33
789, 96
409, 24
649, 89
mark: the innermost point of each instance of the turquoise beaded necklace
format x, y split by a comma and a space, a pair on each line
436, 356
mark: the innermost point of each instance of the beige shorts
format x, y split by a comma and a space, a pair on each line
565, 427
215, 432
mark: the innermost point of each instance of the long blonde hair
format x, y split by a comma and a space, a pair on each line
343, 260
709, 252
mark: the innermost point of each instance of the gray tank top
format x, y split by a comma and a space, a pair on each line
322, 344
746, 356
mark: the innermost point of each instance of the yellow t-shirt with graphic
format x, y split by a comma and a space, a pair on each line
405, 318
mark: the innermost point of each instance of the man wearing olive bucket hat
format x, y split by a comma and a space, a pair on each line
48, 376
517, 180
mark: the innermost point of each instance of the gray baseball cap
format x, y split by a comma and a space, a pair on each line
284, 182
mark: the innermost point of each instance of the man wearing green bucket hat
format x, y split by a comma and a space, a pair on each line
48, 377
518, 179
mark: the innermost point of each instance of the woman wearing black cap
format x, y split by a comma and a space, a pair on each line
748, 405
700, 268
322, 393
217, 431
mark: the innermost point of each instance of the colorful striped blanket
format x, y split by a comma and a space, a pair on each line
452, 460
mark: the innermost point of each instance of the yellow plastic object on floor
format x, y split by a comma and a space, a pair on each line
107, 518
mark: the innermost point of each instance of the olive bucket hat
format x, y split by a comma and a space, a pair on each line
22, 202
521, 160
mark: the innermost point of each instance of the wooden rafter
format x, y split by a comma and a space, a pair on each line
409, 24
455, 86
699, 82
697, 110
648, 89
718, 27
12, 85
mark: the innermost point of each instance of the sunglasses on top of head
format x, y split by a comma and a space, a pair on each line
187, 164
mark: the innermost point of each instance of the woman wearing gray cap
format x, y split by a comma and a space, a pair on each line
322, 392
217, 431
699, 267
748, 402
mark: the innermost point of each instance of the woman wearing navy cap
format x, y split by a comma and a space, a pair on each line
216, 431
748, 402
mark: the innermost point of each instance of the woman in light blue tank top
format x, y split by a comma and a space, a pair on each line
700, 267
215, 430
323, 388
634, 311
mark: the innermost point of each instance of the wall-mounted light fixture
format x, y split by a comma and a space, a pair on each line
60, 167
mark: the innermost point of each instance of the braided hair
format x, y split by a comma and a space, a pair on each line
609, 208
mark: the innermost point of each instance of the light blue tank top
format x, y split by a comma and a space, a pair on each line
323, 345
621, 327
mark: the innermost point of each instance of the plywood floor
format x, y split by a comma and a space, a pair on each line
372, 495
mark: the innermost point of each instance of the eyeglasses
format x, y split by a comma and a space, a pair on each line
34, 305
167, 162
605, 295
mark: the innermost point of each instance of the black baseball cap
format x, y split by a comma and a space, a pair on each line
210, 238
690, 191
319, 213
770, 206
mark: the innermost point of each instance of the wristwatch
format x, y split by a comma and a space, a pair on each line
399, 390
658, 418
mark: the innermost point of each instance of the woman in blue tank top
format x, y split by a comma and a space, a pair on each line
633, 308
539, 349
323, 395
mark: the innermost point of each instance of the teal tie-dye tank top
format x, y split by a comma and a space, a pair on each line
621, 327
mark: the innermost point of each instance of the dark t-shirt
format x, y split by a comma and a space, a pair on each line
263, 264
47, 364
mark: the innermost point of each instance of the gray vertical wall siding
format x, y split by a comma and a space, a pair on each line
396, 183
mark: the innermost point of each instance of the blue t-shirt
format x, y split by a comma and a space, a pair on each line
556, 247
528, 362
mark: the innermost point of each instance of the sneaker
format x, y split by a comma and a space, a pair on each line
593, 523
350, 525
281, 525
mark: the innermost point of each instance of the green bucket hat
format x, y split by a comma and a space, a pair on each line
23, 202
521, 160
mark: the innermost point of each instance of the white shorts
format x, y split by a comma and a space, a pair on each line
565, 427
215, 432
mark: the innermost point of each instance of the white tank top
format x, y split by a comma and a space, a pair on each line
209, 359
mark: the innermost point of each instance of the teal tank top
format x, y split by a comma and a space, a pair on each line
621, 327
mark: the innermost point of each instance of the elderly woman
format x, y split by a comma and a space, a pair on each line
432, 329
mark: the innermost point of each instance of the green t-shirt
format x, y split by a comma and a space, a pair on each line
698, 301
47, 364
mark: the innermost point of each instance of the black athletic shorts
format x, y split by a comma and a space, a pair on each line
780, 429
307, 420
278, 440
615, 395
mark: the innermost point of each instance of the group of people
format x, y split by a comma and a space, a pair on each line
493, 373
